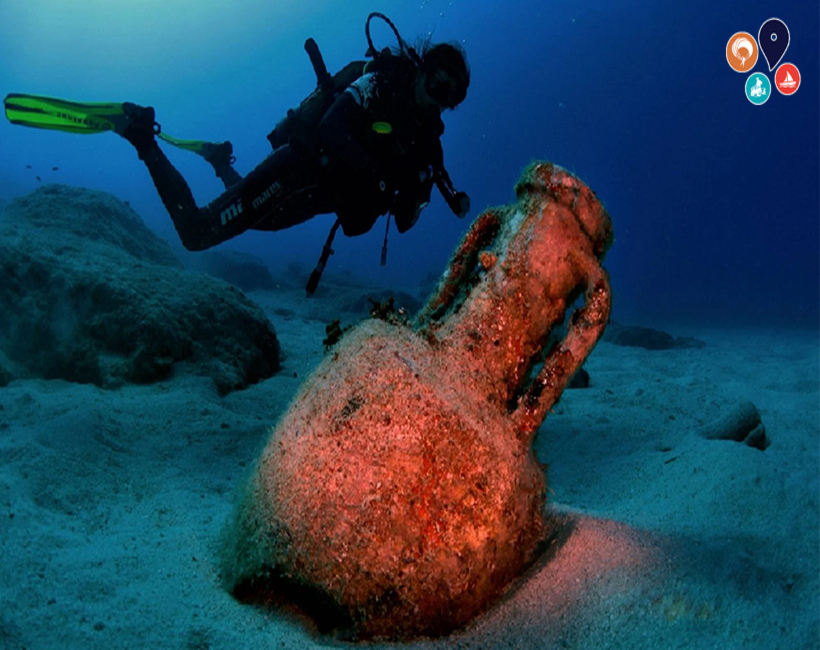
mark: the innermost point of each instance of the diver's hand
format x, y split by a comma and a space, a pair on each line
460, 204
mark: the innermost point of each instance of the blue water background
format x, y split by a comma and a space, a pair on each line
714, 200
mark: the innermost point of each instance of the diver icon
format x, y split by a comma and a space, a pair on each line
742, 52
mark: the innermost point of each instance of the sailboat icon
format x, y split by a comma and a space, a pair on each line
788, 82
787, 79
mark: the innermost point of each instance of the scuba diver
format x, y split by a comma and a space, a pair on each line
364, 144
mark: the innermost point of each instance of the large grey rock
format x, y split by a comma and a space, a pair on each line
5, 373
89, 294
242, 270
83, 217
635, 336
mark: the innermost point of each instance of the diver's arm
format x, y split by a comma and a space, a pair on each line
354, 179
414, 194
412, 197
458, 202
220, 157
341, 131
227, 174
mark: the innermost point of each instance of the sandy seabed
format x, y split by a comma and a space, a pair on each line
112, 502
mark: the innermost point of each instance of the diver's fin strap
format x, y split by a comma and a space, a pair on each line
200, 147
188, 145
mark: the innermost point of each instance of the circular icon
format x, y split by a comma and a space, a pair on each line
741, 52
787, 79
758, 88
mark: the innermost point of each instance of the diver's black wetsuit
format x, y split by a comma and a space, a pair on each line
350, 166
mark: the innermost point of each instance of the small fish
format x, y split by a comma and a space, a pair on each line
38, 178
55, 169
28, 166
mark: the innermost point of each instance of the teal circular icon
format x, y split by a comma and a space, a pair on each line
758, 88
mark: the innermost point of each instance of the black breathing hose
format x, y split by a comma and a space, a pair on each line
402, 47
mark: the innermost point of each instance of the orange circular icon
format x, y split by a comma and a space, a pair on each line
741, 52
787, 78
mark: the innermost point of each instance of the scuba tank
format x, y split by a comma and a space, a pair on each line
300, 123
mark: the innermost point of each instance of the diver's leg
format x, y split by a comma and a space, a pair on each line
250, 202
220, 156
228, 175
171, 186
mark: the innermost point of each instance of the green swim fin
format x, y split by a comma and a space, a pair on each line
61, 115
92, 117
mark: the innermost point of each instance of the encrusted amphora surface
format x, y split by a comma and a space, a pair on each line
399, 495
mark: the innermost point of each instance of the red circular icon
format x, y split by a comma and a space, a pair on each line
787, 79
